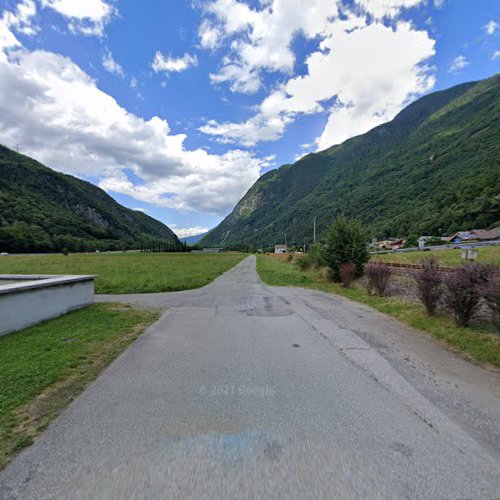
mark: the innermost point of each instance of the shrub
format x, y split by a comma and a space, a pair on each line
289, 257
346, 242
316, 254
378, 276
491, 294
429, 284
464, 288
347, 273
305, 262
65, 251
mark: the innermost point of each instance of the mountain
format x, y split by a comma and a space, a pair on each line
43, 210
191, 240
434, 169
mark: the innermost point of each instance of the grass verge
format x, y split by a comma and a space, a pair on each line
43, 368
129, 272
447, 258
479, 342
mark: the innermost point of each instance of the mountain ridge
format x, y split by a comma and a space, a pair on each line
43, 210
434, 168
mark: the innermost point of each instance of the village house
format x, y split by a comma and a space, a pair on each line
280, 248
476, 235
390, 244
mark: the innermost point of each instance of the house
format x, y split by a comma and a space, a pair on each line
486, 234
213, 250
391, 244
476, 235
280, 248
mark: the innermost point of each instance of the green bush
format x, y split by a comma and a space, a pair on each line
345, 243
305, 261
316, 255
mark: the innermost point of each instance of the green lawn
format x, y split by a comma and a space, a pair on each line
44, 367
479, 342
129, 272
451, 257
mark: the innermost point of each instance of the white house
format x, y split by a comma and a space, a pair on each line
280, 248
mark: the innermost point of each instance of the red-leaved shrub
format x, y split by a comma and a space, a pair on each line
429, 281
378, 276
347, 273
464, 288
491, 294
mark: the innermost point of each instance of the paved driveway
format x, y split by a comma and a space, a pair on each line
247, 391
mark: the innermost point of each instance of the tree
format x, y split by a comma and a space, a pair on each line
345, 243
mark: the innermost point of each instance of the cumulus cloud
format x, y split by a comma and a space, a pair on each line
260, 38
496, 55
362, 75
21, 21
389, 8
61, 117
210, 35
491, 27
185, 232
169, 64
459, 63
110, 65
88, 17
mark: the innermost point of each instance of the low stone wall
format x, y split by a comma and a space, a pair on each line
26, 300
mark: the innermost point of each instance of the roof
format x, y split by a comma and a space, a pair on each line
487, 234
478, 234
280, 246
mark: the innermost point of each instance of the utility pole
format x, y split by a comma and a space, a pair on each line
285, 238
314, 230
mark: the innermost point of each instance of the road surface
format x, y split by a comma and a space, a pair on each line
246, 391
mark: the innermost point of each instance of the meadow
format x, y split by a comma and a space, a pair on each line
447, 258
479, 342
129, 272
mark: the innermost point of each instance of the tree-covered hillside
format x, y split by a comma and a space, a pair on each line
42, 210
434, 169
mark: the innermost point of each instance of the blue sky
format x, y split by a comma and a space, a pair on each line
176, 108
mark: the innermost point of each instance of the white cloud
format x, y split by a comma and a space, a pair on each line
185, 232
261, 39
460, 62
439, 3
496, 55
491, 27
20, 21
111, 65
210, 35
88, 17
56, 110
169, 64
389, 8
370, 71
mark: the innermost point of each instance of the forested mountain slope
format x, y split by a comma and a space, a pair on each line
434, 169
43, 210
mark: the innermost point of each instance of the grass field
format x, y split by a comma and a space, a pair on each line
44, 367
129, 272
451, 257
479, 342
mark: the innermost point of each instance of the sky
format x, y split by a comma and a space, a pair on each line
176, 108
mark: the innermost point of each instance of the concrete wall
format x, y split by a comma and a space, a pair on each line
30, 302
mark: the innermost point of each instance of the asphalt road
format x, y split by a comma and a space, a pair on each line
248, 391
